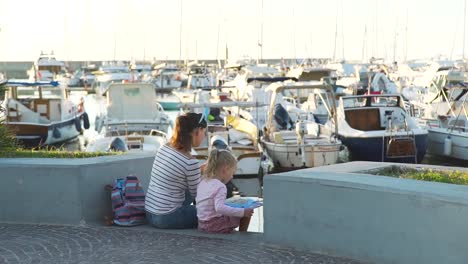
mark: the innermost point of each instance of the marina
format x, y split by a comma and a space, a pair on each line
234, 132
272, 120
173, 103
91, 103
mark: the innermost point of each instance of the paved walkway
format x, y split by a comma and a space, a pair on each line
74, 244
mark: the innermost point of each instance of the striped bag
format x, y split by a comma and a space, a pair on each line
128, 202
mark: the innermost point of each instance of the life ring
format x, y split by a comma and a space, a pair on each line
85, 117
78, 124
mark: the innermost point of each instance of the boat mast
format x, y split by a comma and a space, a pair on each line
217, 49
115, 44
342, 31
395, 41
364, 44
406, 36
261, 36
464, 27
180, 34
336, 32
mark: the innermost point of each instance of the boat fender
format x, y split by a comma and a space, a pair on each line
85, 120
98, 124
448, 146
118, 144
78, 124
56, 133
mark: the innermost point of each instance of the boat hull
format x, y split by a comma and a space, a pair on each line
248, 161
37, 135
375, 149
289, 156
130, 144
459, 139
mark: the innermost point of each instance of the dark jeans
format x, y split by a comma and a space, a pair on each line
182, 218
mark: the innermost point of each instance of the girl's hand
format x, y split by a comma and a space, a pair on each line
203, 167
248, 212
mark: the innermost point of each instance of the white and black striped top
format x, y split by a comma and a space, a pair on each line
173, 173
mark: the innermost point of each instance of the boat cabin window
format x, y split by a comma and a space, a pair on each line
371, 101
33, 92
354, 102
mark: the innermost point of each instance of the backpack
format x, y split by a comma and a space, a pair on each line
128, 202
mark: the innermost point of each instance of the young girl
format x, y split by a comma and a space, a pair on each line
213, 215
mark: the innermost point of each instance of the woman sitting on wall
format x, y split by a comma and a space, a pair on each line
175, 176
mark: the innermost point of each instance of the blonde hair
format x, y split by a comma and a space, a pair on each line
218, 159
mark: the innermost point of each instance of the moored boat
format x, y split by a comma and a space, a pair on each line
378, 128
133, 120
304, 147
40, 113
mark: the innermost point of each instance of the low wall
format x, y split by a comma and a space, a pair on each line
372, 218
71, 191
64, 191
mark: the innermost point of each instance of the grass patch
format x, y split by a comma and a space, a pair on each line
7, 140
9, 148
446, 176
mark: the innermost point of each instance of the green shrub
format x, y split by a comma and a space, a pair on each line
447, 176
7, 140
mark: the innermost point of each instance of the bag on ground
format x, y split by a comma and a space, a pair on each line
128, 202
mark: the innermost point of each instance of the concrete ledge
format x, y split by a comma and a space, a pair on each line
248, 237
338, 210
64, 191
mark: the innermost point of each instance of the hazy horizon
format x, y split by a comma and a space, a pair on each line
140, 29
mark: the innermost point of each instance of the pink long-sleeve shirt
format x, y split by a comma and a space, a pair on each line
211, 194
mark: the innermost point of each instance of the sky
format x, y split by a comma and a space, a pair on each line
202, 29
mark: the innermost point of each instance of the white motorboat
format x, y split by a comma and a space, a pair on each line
48, 68
109, 74
305, 147
449, 135
166, 79
133, 120
248, 156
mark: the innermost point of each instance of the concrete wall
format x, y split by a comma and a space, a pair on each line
64, 191
71, 191
372, 218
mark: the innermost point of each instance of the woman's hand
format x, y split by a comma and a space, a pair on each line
248, 212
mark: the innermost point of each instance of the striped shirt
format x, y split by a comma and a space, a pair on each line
173, 173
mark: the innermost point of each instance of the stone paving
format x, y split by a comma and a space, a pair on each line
22, 243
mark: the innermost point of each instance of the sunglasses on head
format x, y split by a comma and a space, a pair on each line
202, 122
